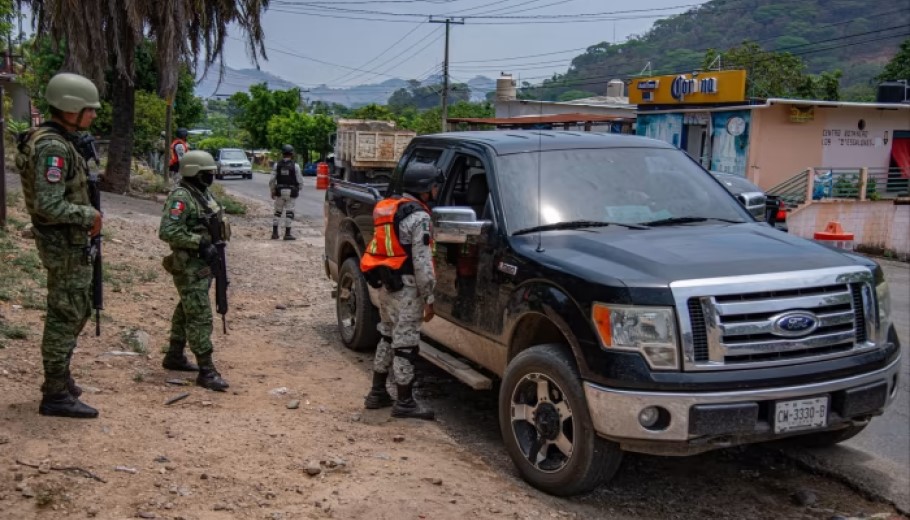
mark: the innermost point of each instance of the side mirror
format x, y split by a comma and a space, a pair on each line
453, 225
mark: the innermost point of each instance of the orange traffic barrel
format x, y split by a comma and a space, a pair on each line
834, 235
322, 176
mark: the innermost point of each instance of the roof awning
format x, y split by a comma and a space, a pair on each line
542, 119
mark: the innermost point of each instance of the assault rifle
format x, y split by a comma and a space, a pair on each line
86, 147
219, 267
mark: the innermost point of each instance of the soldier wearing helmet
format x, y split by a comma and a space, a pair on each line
183, 227
285, 186
179, 146
399, 261
55, 187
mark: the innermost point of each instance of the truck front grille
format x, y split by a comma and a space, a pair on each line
744, 328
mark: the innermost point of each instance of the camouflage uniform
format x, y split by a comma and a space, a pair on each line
401, 312
183, 228
55, 186
285, 185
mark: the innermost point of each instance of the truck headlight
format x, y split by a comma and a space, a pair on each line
650, 331
883, 299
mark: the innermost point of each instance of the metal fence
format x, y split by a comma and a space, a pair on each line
822, 183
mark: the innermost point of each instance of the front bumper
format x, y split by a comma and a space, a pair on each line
703, 421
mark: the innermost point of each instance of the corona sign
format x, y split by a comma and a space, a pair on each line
712, 87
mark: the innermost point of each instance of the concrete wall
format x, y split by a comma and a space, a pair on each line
882, 225
516, 108
780, 149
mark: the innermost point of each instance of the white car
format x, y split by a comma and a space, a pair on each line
233, 161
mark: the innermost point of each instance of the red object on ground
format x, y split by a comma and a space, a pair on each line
834, 235
322, 176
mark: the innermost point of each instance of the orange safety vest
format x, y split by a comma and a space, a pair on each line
174, 158
385, 250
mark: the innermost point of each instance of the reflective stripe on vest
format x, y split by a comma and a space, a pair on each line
385, 249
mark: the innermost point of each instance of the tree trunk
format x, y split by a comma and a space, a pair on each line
120, 151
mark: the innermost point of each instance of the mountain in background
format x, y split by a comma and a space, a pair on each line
240, 80
855, 36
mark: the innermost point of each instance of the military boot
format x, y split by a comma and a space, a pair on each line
209, 377
274, 232
406, 407
378, 397
58, 402
175, 359
71, 385
288, 235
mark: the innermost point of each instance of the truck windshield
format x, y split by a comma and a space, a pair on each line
620, 185
232, 155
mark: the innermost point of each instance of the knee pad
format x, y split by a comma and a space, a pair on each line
290, 215
409, 353
278, 214
387, 339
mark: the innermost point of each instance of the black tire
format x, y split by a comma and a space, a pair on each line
592, 460
357, 317
829, 438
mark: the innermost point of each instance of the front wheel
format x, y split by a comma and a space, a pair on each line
357, 317
546, 427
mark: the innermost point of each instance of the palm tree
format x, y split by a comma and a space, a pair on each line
102, 35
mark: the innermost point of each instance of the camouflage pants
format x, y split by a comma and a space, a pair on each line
192, 318
69, 306
401, 314
284, 204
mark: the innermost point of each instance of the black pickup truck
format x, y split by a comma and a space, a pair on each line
627, 302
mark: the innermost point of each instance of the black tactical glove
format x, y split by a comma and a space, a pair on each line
207, 252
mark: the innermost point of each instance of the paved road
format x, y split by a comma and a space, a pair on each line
309, 204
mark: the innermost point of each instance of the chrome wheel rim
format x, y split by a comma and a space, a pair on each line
542, 423
347, 307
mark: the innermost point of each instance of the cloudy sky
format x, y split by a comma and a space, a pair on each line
351, 42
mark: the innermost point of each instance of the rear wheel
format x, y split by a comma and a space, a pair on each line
546, 427
357, 317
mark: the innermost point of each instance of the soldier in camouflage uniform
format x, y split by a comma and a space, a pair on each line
55, 186
406, 296
183, 227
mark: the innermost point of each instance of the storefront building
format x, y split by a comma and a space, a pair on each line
768, 141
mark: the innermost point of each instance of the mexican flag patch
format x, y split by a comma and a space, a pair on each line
55, 162
177, 209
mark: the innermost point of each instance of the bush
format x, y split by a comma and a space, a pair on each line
231, 205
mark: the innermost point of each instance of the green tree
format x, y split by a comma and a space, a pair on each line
899, 66
259, 106
373, 111
570, 95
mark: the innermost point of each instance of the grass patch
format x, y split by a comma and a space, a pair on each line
117, 275
148, 275
10, 331
22, 275
13, 198
148, 182
231, 205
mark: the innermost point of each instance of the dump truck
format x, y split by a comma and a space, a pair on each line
367, 150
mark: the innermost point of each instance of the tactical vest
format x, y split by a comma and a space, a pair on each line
75, 180
385, 249
174, 157
206, 208
286, 176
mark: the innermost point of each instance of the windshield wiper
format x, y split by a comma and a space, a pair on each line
686, 220
576, 224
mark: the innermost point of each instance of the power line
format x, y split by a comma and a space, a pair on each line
387, 49
377, 67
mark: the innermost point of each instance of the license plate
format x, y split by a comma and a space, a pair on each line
800, 414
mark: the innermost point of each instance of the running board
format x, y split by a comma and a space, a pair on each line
457, 368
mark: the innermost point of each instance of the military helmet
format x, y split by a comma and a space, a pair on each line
182, 133
196, 161
287, 149
421, 177
71, 93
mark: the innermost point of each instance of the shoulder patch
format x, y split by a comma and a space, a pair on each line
55, 161
177, 209
53, 175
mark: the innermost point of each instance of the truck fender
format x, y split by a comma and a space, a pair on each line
350, 241
536, 306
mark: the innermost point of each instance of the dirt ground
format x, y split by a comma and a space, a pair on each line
290, 439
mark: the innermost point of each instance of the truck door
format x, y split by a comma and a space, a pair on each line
464, 292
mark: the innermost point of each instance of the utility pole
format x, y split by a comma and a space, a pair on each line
445, 68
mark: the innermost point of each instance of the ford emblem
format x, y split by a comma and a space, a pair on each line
794, 324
